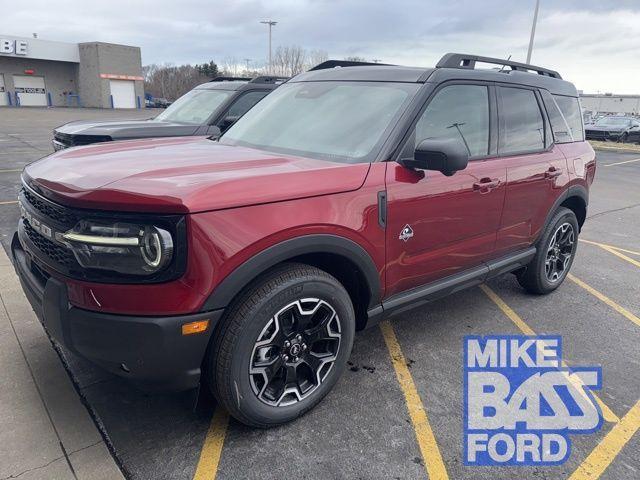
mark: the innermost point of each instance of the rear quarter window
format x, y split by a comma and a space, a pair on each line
570, 108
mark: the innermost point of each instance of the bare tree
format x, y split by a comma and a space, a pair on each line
289, 60
355, 58
170, 82
316, 57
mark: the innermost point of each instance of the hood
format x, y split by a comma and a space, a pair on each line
127, 128
183, 175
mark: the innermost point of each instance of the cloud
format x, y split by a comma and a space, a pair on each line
591, 42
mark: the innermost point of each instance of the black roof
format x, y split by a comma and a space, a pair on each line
452, 66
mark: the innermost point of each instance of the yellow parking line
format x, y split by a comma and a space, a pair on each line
9, 202
207, 468
633, 252
607, 413
605, 299
621, 163
609, 447
622, 256
426, 440
11, 170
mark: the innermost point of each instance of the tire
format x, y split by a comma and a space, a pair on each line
538, 277
293, 299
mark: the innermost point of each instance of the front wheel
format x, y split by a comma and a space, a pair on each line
283, 345
555, 253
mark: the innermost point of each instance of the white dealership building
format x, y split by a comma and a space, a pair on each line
35, 72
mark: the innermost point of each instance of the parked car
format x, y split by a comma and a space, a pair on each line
346, 196
208, 109
613, 127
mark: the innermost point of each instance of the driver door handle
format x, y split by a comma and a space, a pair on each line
486, 184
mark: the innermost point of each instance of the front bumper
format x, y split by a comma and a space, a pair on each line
150, 351
602, 135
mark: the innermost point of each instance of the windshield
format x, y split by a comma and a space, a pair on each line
194, 107
337, 121
612, 121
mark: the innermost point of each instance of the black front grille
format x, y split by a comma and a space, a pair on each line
49, 210
69, 140
52, 250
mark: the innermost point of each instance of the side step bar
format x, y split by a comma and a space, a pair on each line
441, 288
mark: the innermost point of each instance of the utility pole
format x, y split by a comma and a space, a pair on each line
533, 31
271, 24
247, 60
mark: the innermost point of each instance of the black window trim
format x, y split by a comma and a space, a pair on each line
545, 121
493, 118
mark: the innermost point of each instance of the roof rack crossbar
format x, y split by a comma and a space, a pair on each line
462, 60
343, 63
223, 78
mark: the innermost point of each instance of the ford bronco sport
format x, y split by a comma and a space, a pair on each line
346, 195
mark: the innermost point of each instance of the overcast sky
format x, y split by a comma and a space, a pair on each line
593, 43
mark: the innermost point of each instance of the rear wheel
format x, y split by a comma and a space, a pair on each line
282, 346
555, 253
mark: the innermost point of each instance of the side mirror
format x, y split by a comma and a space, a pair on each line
445, 155
213, 131
228, 121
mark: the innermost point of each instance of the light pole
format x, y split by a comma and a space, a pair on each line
271, 24
533, 31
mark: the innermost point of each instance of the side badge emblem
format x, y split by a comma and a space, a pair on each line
406, 233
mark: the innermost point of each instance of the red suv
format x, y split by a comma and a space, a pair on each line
346, 195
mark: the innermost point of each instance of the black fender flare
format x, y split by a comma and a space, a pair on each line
573, 191
233, 283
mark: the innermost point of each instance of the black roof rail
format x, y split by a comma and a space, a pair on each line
269, 79
342, 63
463, 60
230, 79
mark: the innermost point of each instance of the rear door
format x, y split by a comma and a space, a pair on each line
438, 226
536, 167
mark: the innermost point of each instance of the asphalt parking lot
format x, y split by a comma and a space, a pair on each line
397, 412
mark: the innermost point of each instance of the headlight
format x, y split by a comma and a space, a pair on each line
122, 247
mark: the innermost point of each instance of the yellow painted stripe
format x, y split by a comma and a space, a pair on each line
609, 447
11, 170
602, 297
622, 256
607, 413
426, 440
9, 203
207, 468
621, 163
632, 252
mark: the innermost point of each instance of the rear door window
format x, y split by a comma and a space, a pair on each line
570, 108
245, 102
522, 128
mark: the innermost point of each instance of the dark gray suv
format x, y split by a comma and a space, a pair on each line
208, 109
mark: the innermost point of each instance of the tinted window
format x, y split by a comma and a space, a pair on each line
244, 103
560, 129
460, 112
337, 121
570, 108
521, 125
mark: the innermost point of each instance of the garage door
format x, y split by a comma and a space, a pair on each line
3, 91
124, 93
30, 91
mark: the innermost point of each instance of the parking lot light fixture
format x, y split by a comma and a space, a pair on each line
271, 24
